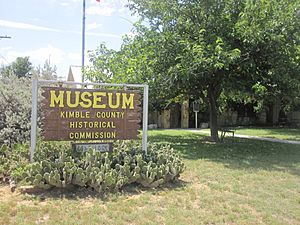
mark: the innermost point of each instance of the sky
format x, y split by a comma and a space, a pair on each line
52, 30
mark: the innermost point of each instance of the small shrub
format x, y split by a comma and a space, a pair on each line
15, 109
57, 165
13, 161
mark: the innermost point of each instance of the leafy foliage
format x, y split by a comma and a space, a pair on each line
47, 72
136, 62
13, 161
223, 48
58, 166
15, 109
215, 50
15, 99
21, 67
271, 41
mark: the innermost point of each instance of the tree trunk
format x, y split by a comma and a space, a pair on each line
213, 114
275, 111
185, 113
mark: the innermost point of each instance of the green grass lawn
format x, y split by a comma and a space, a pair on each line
280, 133
242, 182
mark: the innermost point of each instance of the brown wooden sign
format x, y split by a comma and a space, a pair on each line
70, 114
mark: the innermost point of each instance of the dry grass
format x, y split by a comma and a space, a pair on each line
242, 182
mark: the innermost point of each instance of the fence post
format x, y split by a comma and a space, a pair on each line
145, 119
33, 117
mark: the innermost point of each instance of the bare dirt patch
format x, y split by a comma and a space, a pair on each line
5, 192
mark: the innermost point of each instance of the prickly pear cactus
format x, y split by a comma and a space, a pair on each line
54, 178
127, 164
81, 177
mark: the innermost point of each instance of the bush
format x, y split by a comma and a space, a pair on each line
13, 161
15, 109
57, 165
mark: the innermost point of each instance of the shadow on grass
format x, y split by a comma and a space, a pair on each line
82, 193
289, 133
236, 154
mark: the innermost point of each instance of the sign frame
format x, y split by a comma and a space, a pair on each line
36, 83
196, 106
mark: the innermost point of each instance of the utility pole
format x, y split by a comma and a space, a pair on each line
7, 37
83, 40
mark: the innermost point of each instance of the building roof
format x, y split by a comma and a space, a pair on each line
75, 74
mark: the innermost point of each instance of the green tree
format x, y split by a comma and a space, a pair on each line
214, 49
15, 109
270, 33
227, 47
135, 62
189, 58
47, 72
21, 67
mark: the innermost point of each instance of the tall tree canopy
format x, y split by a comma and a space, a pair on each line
208, 48
21, 67
47, 72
